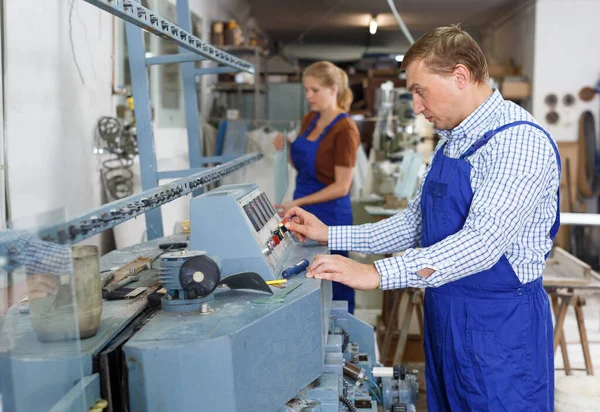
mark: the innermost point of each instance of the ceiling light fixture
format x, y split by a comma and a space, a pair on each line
373, 25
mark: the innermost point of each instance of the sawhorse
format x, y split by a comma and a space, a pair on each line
398, 311
560, 305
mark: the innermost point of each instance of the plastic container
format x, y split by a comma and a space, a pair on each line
53, 317
577, 393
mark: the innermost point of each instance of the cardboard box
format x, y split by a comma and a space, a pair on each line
517, 90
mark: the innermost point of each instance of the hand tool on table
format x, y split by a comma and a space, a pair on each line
280, 297
125, 293
246, 280
294, 270
115, 286
136, 266
275, 282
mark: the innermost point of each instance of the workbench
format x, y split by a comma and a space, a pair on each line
568, 281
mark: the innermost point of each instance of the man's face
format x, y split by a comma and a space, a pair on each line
436, 96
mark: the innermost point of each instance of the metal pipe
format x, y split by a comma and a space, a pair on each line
580, 219
7, 206
354, 372
403, 27
383, 372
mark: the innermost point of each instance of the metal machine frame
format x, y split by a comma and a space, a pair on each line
139, 18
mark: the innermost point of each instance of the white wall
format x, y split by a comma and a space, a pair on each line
171, 143
566, 59
511, 36
51, 115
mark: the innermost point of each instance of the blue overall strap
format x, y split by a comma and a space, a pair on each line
333, 123
488, 135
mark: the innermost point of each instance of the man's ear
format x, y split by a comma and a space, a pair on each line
462, 75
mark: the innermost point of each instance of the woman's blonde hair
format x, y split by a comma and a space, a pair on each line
329, 75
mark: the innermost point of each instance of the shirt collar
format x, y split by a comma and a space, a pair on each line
478, 121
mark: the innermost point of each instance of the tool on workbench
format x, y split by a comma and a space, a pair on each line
294, 270
275, 282
246, 280
132, 268
280, 297
115, 286
139, 264
125, 293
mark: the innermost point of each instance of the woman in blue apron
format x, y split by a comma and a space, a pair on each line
324, 154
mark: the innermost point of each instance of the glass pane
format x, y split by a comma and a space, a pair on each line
50, 310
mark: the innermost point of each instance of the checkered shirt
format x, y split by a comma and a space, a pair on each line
515, 179
18, 248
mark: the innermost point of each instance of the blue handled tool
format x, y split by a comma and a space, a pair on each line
294, 270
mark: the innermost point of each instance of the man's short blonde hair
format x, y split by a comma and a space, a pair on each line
443, 48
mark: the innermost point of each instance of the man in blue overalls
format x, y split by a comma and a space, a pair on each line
476, 235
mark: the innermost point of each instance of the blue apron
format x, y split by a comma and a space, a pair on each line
336, 212
489, 342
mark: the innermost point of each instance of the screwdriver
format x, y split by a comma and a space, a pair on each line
294, 270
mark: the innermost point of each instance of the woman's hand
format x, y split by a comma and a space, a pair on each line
305, 225
283, 208
279, 142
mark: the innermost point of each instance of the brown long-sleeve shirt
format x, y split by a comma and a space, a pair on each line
338, 147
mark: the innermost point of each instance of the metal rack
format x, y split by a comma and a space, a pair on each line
235, 91
192, 49
107, 216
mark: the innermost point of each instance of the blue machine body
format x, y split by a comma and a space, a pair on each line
249, 352
234, 358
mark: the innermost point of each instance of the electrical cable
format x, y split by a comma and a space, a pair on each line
380, 395
349, 405
375, 396
346, 340
121, 142
403, 27
317, 22
345, 389
72, 43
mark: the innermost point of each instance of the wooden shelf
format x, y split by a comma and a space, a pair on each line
243, 49
236, 87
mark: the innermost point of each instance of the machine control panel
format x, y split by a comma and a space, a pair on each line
239, 224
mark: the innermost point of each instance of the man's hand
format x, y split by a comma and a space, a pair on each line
42, 285
306, 225
344, 270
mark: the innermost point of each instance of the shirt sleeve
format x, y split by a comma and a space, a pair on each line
36, 255
522, 169
346, 145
